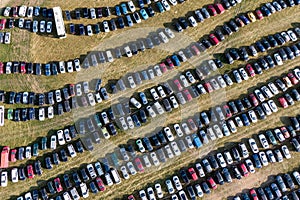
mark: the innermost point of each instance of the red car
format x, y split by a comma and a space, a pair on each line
2, 24
30, 173
12, 157
139, 165
285, 132
208, 87
100, 184
212, 10
239, 22
196, 50
219, 7
213, 39
23, 67
193, 174
131, 197
283, 102
57, 185
192, 125
244, 170
250, 70
15, 11
188, 95
259, 14
293, 79
163, 67
170, 63
212, 183
177, 83
1, 68
253, 194
253, 99
227, 111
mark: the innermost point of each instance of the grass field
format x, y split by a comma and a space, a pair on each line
36, 48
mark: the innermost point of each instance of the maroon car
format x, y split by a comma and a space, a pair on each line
139, 164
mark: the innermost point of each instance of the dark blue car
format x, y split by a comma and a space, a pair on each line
118, 10
47, 70
245, 120
256, 160
136, 120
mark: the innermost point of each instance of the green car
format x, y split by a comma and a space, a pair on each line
35, 151
271, 137
44, 143
97, 120
10, 114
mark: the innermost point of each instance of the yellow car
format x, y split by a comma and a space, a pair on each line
251, 16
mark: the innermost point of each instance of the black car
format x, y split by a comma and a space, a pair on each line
219, 35
113, 25
272, 41
79, 146
11, 97
120, 22
260, 47
177, 27
73, 131
44, 194
143, 116
150, 11
93, 187
41, 99
269, 193
205, 13
38, 167
24, 114
155, 140
236, 154
183, 22
50, 187
31, 113
279, 39
81, 29
67, 181
234, 54
283, 54
84, 175
206, 43
227, 30
244, 54
219, 177
48, 163
161, 137
213, 162
205, 187
191, 192
289, 53
260, 112
257, 68
240, 105
289, 181
266, 44
35, 195
63, 155
17, 115
55, 158
18, 97
236, 172
226, 175
76, 179
147, 143
270, 61
247, 103
263, 63
111, 128
233, 25
184, 176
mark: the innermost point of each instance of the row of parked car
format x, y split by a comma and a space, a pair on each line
277, 189
27, 11
218, 166
263, 45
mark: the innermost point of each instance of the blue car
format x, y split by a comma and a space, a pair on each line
141, 3
124, 8
129, 20
256, 160
245, 19
136, 120
120, 22
175, 60
260, 47
144, 98
118, 10
245, 120
196, 141
265, 11
144, 14
147, 143
160, 7
47, 70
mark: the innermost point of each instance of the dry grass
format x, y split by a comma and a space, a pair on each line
35, 48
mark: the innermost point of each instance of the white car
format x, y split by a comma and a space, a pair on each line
142, 194
151, 193
231, 126
252, 116
170, 186
84, 190
250, 166
131, 6
108, 179
200, 169
58, 96
140, 145
292, 35
243, 73
124, 172
154, 158
166, 5
74, 194
182, 56
263, 158
169, 151
259, 95
42, 26
85, 85
146, 160
89, 30
186, 129
22, 11
154, 94
297, 73
286, 152
157, 70
221, 81
272, 106
198, 190
177, 183
72, 151
161, 92
178, 130
273, 88
4, 179
189, 142
175, 148
60, 137
266, 91
53, 142
50, 112
41, 114
69, 66
7, 38
279, 135
221, 160
6, 11
190, 77
228, 157
131, 82
49, 27
237, 76
28, 152
184, 81
163, 37
263, 140
253, 145
174, 102
77, 64
61, 66
159, 108
78, 89
158, 190
128, 51
67, 135
151, 112
169, 134
130, 122
297, 177
123, 123
278, 59
91, 99
131, 168
35, 26
168, 31
98, 98
135, 102
14, 175
192, 21
105, 133
109, 56
105, 26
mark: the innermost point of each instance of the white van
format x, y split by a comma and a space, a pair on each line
116, 176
